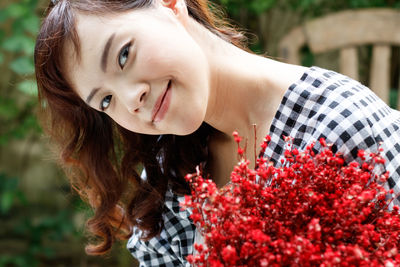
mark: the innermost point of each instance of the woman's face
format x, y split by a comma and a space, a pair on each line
142, 68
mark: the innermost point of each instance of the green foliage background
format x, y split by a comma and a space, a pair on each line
52, 235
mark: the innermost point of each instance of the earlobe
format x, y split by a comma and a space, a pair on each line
168, 3
177, 6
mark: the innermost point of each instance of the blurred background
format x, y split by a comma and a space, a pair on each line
41, 219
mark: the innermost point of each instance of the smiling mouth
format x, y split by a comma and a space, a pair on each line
161, 105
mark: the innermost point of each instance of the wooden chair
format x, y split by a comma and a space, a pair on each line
345, 31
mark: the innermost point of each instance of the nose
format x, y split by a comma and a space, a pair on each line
135, 97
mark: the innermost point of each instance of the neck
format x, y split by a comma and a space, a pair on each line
244, 89
241, 93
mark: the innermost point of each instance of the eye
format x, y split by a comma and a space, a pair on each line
123, 55
105, 102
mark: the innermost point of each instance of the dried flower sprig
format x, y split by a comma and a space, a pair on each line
312, 210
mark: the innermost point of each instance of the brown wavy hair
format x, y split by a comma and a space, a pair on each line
103, 160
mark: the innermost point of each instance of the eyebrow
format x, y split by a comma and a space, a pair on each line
106, 50
91, 95
103, 65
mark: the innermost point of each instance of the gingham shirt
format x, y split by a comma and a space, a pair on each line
321, 104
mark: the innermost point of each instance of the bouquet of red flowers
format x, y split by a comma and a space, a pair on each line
312, 210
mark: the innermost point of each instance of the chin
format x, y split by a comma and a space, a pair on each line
190, 128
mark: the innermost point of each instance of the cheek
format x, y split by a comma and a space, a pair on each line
168, 53
156, 62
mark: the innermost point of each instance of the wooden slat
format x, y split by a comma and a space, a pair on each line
380, 71
344, 31
398, 95
349, 62
289, 47
352, 28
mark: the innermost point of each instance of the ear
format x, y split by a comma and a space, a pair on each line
178, 7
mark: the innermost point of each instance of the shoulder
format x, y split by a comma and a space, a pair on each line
327, 104
347, 114
322, 91
175, 241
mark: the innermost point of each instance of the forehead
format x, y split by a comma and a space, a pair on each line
95, 25
93, 30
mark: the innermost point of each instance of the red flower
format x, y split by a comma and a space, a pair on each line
314, 210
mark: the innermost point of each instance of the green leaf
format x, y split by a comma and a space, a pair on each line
31, 23
48, 251
10, 184
2, 35
6, 201
260, 6
8, 109
16, 10
21, 197
3, 15
13, 43
19, 43
306, 3
1, 58
28, 87
22, 65
393, 96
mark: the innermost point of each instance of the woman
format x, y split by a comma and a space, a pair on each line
163, 84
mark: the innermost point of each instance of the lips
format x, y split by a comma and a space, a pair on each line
162, 104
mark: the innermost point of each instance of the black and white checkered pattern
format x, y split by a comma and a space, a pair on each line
347, 114
321, 104
175, 242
